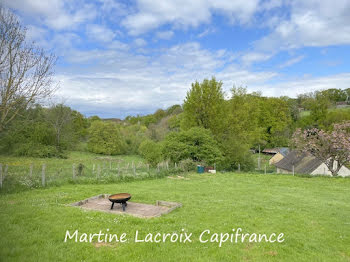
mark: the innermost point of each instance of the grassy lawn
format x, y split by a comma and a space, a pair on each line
313, 214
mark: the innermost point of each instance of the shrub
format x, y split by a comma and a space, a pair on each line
104, 138
197, 144
188, 165
151, 151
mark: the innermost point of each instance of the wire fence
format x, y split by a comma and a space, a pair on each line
20, 177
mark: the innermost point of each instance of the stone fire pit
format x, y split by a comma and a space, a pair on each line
102, 203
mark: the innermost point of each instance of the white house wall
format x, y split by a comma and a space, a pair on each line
323, 170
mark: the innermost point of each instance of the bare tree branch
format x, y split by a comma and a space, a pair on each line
25, 70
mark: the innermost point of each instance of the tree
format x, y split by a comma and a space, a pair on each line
276, 120
60, 118
151, 151
333, 147
104, 138
204, 106
196, 143
25, 70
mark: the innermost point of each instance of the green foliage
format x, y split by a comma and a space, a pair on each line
204, 106
105, 138
276, 120
133, 135
151, 151
188, 165
236, 154
196, 143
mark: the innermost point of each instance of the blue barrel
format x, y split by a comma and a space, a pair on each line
200, 169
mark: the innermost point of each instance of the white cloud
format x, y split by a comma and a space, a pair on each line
140, 42
253, 57
182, 13
166, 35
311, 23
56, 14
304, 84
100, 33
120, 81
292, 61
206, 32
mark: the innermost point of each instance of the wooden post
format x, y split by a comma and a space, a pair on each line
43, 175
73, 169
293, 169
98, 171
259, 161
239, 167
0, 175
175, 165
5, 171
31, 171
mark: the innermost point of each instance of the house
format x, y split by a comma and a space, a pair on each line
283, 151
304, 163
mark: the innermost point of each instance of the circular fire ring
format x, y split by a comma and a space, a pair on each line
120, 198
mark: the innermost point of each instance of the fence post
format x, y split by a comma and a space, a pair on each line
265, 169
43, 175
98, 171
73, 169
31, 171
293, 169
0, 175
5, 171
175, 165
239, 167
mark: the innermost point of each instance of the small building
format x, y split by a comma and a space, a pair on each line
283, 151
304, 163
270, 151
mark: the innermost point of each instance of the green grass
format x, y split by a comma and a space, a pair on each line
60, 171
305, 113
313, 213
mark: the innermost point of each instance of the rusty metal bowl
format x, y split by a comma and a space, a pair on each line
121, 198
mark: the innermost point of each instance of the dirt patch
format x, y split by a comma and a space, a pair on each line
272, 253
102, 244
178, 177
101, 203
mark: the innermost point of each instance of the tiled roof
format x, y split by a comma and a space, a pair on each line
303, 163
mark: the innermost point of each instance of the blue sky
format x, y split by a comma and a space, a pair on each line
118, 58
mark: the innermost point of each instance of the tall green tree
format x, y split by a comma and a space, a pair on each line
196, 143
204, 106
105, 138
